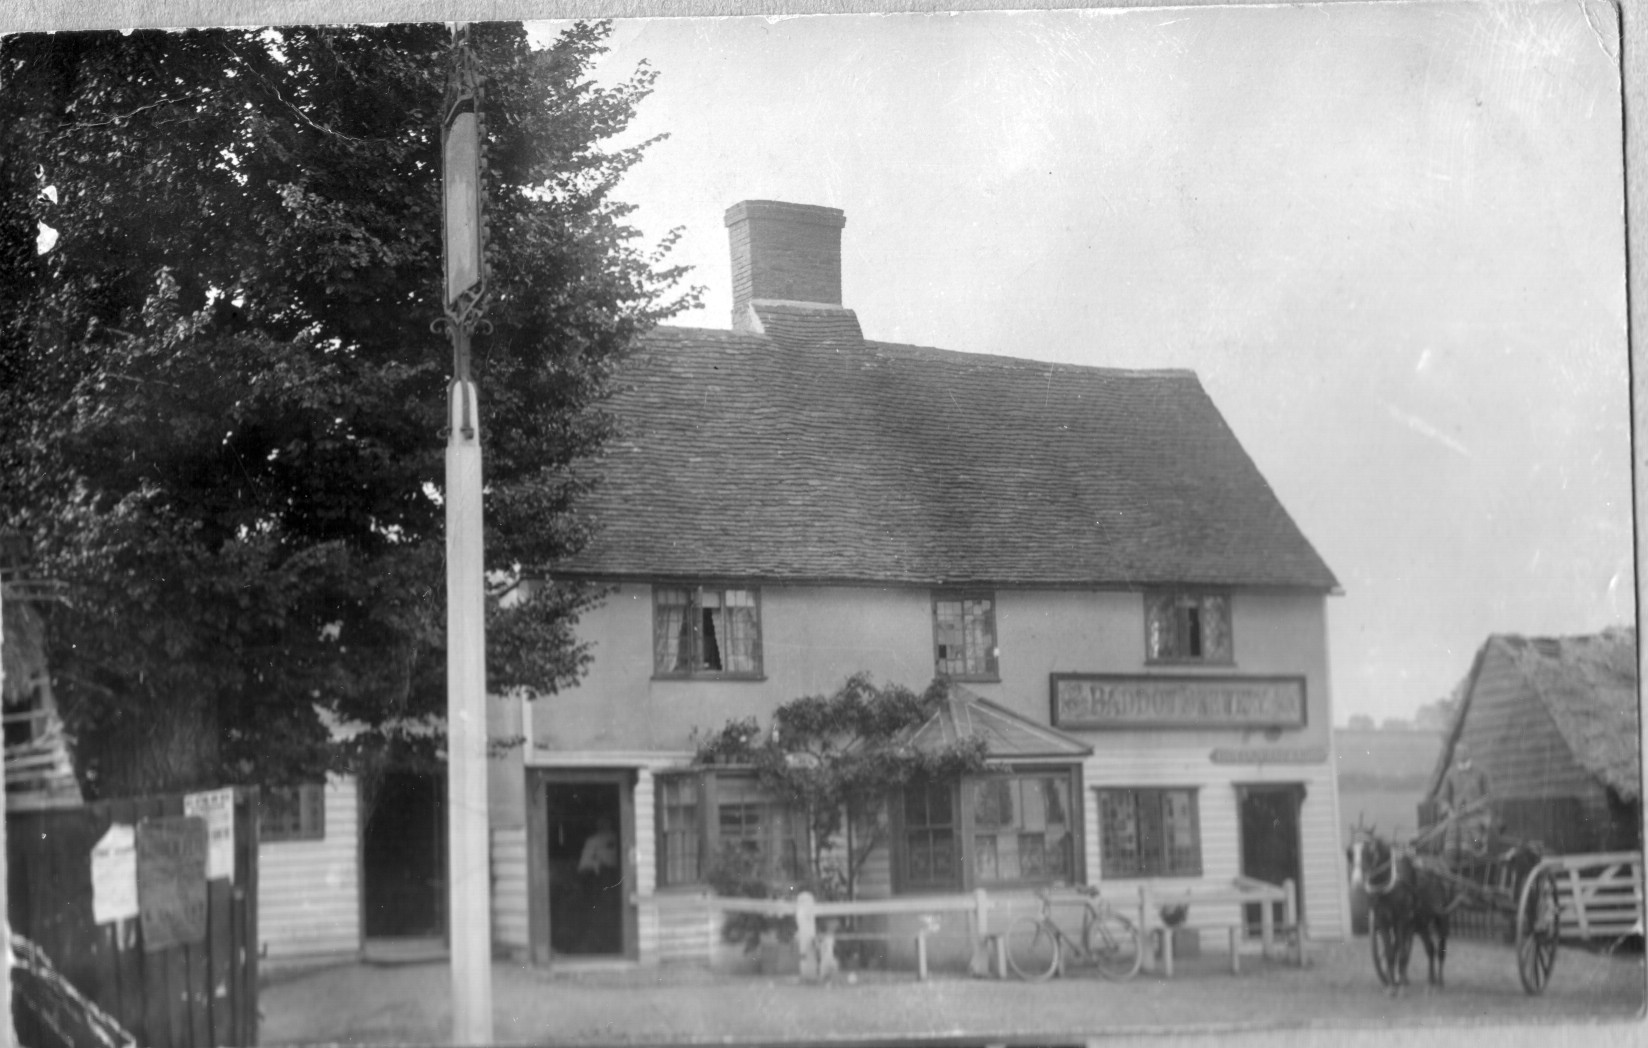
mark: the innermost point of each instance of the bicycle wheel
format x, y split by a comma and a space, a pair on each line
1114, 945
1032, 949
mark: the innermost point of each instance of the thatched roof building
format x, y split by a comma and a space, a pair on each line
1555, 723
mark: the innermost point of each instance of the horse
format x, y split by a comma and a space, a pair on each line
1405, 901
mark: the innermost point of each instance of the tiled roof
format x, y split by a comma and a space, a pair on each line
966, 714
809, 454
1589, 685
803, 323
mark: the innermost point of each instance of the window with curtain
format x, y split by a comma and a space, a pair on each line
706, 631
1187, 626
1149, 833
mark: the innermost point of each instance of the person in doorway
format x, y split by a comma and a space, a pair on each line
600, 853
1464, 798
600, 883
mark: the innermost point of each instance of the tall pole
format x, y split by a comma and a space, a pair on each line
7, 1030
469, 912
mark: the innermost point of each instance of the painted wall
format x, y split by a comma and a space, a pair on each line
814, 637
309, 891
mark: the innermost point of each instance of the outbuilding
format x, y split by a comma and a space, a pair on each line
1554, 724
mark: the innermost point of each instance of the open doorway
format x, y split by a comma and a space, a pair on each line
586, 833
403, 858
1270, 841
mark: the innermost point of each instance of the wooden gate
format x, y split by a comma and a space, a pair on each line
199, 995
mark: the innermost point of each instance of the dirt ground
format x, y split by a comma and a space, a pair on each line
1336, 999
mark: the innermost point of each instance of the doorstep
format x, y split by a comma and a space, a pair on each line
389, 952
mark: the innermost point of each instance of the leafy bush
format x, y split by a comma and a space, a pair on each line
741, 874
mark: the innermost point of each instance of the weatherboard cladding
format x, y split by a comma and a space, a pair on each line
792, 458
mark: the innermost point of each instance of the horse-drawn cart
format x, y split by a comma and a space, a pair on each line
1418, 888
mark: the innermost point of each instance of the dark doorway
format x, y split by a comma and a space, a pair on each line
1270, 841
403, 858
587, 889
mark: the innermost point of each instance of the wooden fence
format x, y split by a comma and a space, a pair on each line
1601, 894
200, 995
1216, 905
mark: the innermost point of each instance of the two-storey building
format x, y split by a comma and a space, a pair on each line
1088, 554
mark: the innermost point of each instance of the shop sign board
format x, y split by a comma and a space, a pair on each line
1110, 701
1269, 755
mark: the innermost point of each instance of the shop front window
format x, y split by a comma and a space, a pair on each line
1149, 833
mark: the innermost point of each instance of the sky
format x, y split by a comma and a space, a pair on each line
1387, 237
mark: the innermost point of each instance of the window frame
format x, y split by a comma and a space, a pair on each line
309, 801
706, 786
992, 656
659, 672
1140, 866
1200, 594
965, 830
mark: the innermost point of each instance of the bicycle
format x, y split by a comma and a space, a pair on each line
1037, 947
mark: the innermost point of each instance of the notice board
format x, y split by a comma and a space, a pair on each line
171, 881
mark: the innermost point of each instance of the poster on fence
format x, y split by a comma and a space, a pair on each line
114, 875
217, 807
171, 881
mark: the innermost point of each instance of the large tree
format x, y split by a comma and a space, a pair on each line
222, 399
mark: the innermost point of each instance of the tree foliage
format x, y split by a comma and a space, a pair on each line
224, 402
838, 758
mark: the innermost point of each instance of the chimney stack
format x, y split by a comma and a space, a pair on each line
789, 253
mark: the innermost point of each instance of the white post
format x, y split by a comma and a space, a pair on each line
806, 931
469, 913
8, 1036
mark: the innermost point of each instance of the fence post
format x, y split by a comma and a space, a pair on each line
1267, 919
979, 965
1290, 914
806, 930
1149, 944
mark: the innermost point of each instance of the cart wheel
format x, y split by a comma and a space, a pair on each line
1114, 945
1378, 940
1538, 925
1032, 952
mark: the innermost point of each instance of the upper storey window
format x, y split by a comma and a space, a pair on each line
1187, 626
706, 631
964, 636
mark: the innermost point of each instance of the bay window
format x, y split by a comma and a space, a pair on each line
1015, 827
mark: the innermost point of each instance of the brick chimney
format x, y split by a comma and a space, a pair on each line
783, 253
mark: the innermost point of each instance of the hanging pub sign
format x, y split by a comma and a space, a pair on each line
171, 881
1102, 700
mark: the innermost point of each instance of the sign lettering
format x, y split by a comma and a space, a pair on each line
217, 807
1270, 755
1116, 701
